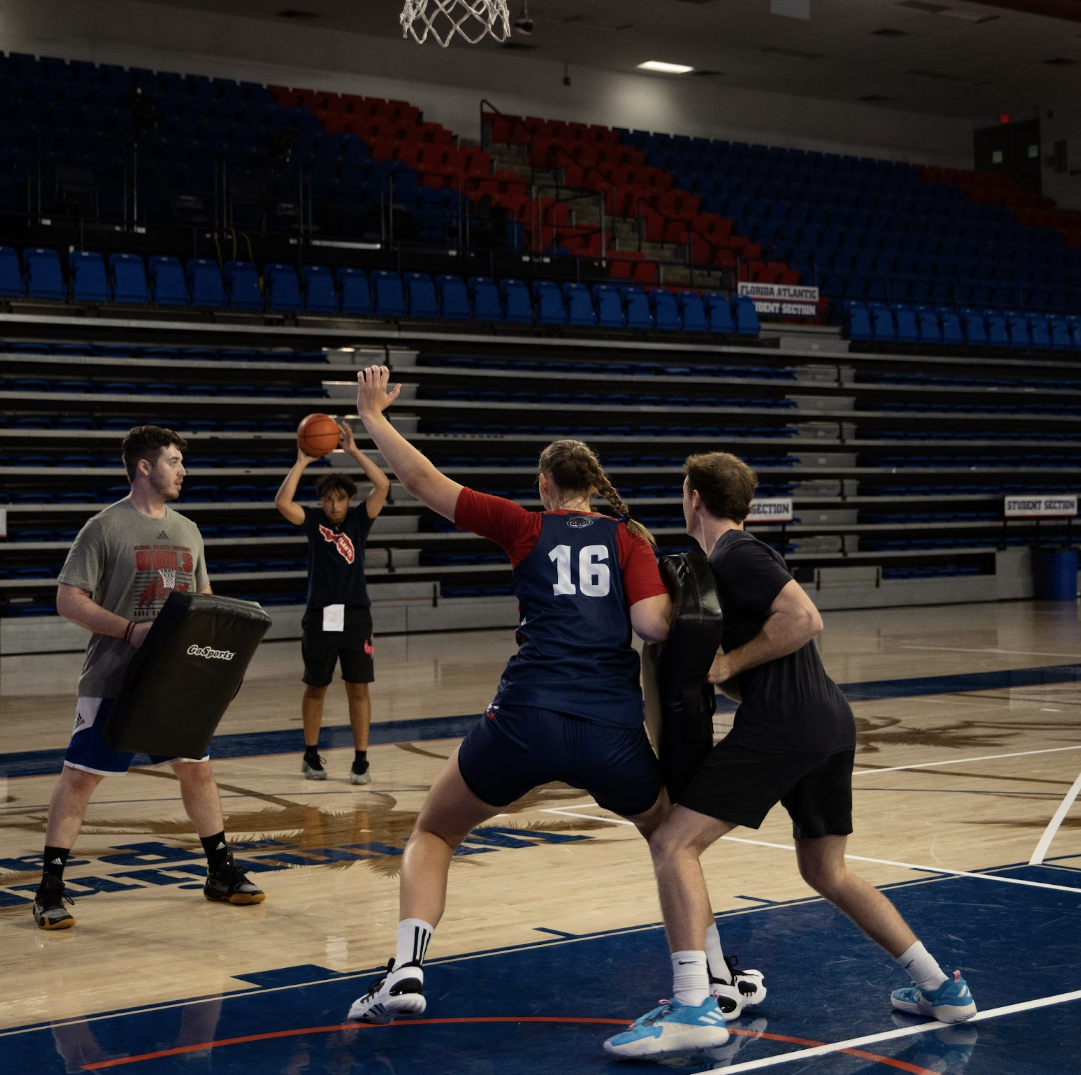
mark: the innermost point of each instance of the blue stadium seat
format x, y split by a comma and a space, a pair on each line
997, 332
636, 303
487, 305
882, 324
1017, 331
356, 295
11, 276
86, 270
419, 293
1075, 331
317, 285
205, 283
745, 316
282, 288
665, 310
719, 310
517, 305
242, 283
1059, 329
388, 295
549, 301
1039, 331
579, 303
857, 321
928, 325
974, 328
609, 306
950, 323
453, 295
904, 317
692, 311
44, 279
167, 285
129, 279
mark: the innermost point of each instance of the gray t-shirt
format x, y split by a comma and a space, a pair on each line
130, 564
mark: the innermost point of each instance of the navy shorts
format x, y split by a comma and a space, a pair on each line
88, 749
322, 650
510, 751
741, 786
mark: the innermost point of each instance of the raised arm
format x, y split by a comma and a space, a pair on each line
792, 622
283, 498
375, 500
418, 474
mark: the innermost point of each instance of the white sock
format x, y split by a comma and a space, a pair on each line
690, 978
921, 967
715, 956
413, 937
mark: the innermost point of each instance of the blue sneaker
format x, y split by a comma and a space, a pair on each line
951, 1002
673, 1027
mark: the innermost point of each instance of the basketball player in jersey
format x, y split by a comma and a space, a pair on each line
568, 706
123, 565
337, 623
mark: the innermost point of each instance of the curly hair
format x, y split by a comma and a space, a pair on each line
574, 468
145, 442
724, 482
330, 483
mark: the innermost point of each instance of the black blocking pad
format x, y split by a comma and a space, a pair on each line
685, 700
185, 674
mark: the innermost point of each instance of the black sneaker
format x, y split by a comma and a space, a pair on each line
49, 903
312, 767
231, 885
359, 773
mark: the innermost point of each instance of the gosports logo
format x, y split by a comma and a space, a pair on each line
341, 542
210, 654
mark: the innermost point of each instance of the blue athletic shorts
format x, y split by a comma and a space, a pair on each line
88, 749
510, 751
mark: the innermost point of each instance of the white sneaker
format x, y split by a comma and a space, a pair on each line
746, 989
391, 996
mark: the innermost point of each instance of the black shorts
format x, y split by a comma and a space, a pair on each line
323, 649
510, 751
741, 786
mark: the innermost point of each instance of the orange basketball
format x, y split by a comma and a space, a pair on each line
318, 434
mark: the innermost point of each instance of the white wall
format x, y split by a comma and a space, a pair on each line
449, 84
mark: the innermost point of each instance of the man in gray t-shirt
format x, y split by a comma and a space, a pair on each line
123, 565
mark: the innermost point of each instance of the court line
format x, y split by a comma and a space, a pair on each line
963, 761
919, 1028
1053, 825
855, 858
988, 649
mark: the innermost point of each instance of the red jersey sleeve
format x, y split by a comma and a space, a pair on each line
513, 528
641, 576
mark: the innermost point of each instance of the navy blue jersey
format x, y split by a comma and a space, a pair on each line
336, 558
574, 635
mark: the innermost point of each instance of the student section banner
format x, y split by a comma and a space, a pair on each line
781, 300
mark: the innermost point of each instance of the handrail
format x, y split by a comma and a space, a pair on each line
515, 121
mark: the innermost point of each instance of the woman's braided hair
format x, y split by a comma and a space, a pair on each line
574, 468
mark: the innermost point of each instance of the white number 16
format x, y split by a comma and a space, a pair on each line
593, 576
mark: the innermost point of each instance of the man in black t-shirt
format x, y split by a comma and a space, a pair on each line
337, 624
792, 742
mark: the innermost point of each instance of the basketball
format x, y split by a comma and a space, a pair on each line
318, 434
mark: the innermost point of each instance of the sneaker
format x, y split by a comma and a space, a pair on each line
673, 1027
231, 885
361, 775
383, 1003
49, 903
951, 1002
312, 767
746, 989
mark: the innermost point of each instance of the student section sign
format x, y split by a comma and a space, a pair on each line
781, 300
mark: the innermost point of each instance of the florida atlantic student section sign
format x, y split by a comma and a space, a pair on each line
781, 300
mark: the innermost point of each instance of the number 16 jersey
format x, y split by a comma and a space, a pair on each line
576, 574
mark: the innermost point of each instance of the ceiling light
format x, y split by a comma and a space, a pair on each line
665, 68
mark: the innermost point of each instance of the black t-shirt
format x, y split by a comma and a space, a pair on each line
336, 558
790, 705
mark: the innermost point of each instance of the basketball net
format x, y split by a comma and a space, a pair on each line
471, 20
